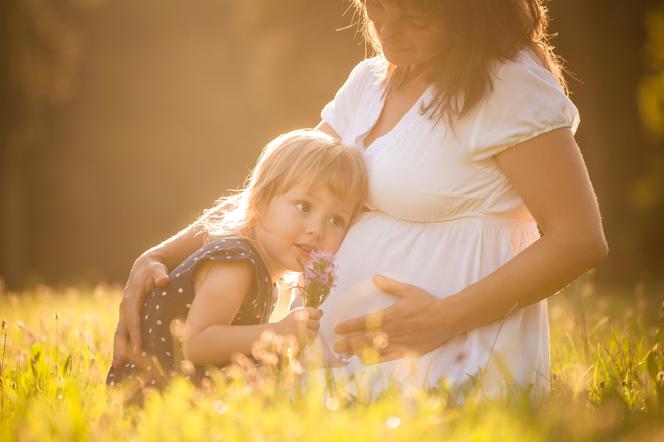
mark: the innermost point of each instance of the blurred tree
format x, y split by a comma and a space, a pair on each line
111, 149
40, 49
648, 190
119, 126
603, 42
651, 93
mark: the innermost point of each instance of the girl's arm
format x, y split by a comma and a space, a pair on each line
550, 175
148, 271
220, 289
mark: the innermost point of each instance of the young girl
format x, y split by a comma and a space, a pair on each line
301, 196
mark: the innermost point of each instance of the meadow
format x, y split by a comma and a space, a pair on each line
607, 350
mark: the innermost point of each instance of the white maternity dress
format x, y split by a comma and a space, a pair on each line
442, 216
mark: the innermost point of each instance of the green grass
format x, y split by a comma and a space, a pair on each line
607, 377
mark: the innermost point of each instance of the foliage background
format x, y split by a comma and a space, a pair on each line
120, 121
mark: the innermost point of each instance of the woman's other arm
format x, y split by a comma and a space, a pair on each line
148, 271
220, 289
550, 175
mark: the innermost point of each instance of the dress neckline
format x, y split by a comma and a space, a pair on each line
398, 127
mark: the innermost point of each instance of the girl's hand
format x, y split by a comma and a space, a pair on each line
302, 322
412, 326
146, 273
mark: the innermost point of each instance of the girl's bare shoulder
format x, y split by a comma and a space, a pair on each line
224, 277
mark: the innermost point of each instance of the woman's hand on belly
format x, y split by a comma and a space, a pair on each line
413, 325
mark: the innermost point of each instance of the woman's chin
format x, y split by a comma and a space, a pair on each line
396, 58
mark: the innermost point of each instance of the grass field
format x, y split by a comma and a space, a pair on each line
607, 353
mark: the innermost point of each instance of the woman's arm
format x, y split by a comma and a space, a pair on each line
148, 271
550, 175
220, 289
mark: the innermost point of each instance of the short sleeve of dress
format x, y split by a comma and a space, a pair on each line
233, 249
526, 101
339, 113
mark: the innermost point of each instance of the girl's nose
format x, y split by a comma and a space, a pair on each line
315, 226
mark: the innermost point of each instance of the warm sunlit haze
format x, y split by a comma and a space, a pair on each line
122, 121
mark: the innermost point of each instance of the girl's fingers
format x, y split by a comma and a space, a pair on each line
313, 313
313, 324
301, 314
306, 313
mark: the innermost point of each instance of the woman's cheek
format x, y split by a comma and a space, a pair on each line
433, 42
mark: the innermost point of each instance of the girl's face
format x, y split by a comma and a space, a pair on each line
408, 37
298, 221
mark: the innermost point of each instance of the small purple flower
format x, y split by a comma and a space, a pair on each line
317, 278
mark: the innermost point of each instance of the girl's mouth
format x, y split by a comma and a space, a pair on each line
304, 248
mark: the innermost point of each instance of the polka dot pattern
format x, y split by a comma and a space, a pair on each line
164, 306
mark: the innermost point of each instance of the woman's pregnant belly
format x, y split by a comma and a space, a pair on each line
442, 258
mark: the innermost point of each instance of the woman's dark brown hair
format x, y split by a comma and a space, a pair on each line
478, 34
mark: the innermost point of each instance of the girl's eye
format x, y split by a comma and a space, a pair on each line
303, 206
338, 221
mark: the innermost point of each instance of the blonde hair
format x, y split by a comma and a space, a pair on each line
301, 157
478, 34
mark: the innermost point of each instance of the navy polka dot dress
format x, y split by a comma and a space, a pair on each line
166, 309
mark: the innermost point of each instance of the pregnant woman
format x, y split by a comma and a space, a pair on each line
467, 134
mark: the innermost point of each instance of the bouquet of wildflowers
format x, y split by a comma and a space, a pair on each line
317, 278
